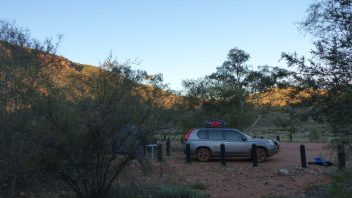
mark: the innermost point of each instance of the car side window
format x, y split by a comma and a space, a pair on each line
203, 134
215, 135
233, 135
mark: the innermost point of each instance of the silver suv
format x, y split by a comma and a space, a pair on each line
205, 144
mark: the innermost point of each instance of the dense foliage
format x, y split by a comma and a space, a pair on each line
233, 91
82, 130
330, 69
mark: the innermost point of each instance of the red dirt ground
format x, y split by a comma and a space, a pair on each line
239, 179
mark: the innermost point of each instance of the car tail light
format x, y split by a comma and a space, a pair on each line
188, 133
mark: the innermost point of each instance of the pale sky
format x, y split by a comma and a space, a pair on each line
182, 39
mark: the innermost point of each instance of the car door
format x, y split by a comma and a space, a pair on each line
235, 143
215, 140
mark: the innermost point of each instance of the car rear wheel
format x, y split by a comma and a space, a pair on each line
203, 154
261, 154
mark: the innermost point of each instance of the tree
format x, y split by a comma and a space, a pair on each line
329, 72
21, 61
230, 77
83, 132
94, 136
234, 69
225, 93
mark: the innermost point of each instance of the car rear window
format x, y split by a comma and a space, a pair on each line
215, 135
202, 134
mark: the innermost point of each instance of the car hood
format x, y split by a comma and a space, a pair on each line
263, 140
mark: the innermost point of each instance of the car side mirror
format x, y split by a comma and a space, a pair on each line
244, 139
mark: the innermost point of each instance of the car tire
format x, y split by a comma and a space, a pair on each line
261, 154
203, 154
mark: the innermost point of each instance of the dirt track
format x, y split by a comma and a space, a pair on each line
239, 179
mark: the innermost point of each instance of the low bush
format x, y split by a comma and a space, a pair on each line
341, 187
168, 191
176, 191
198, 185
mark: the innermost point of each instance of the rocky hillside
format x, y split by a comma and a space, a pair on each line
280, 97
18, 64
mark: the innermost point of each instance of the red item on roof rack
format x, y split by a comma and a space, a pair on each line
215, 123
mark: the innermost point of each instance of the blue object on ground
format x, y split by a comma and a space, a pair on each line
319, 161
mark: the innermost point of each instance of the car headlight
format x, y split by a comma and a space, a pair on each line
271, 142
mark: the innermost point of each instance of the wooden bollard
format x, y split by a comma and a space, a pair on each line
254, 155
188, 154
160, 153
341, 156
303, 156
222, 152
278, 138
167, 145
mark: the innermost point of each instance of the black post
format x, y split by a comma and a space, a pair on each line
290, 137
278, 138
254, 155
167, 144
188, 154
160, 153
341, 156
222, 151
303, 156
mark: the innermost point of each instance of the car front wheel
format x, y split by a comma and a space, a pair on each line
261, 155
203, 154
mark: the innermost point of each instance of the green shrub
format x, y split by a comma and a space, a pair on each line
341, 187
168, 191
132, 191
198, 186
176, 191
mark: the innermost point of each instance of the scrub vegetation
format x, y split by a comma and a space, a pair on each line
77, 127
